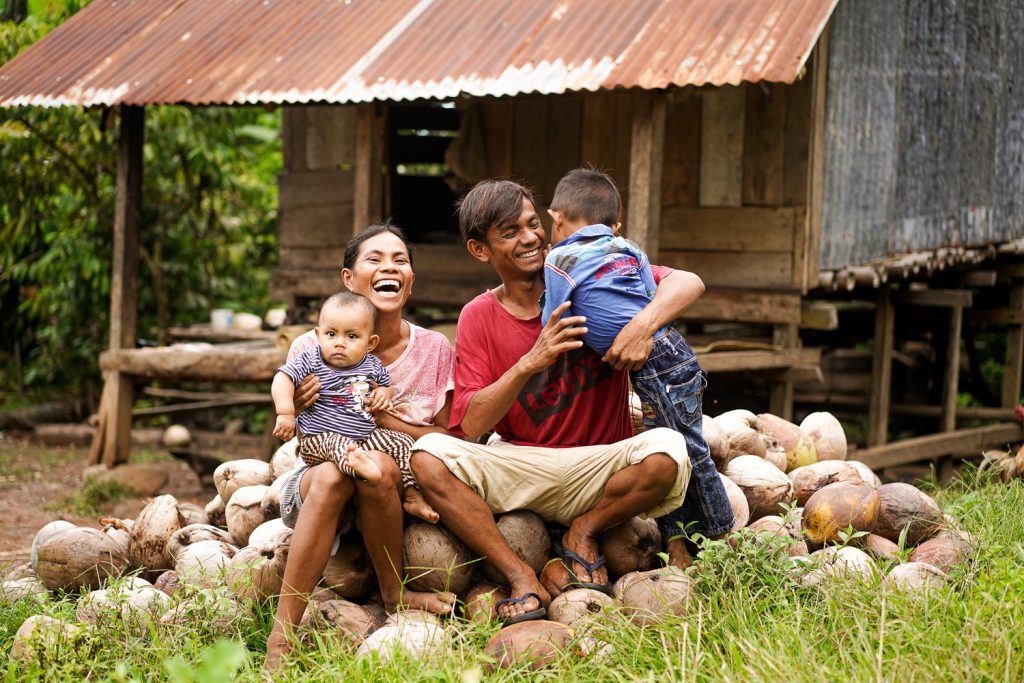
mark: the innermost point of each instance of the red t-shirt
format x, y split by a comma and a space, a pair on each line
579, 400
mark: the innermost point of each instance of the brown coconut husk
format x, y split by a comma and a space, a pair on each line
651, 596
480, 605
527, 536
44, 533
193, 513
905, 506
80, 557
419, 640
235, 474
532, 643
630, 547
717, 441
742, 429
215, 512
256, 573
167, 583
880, 548
203, 564
944, 553
41, 636
795, 545
350, 622
193, 533
827, 434
284, 458
738, 503
762, 483
244, 512
837, 507
809, 479
150, 533
435, 560
349, 572
574, 607
798, 445
915, 576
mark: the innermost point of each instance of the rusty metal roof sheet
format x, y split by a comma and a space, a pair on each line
274, 51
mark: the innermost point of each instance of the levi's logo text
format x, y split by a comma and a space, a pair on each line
550, 392
620, 266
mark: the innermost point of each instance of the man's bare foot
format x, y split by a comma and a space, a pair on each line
278, 645
416, 505
437, 603
519, 585
678, 555
364, 466
585, 546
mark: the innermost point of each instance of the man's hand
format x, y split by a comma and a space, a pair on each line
631, 346
378, 400
558, 336
306, 393
284, 429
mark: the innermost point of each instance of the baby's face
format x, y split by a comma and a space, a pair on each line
345, 334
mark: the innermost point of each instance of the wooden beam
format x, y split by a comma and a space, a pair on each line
371, 139
881, 370
721, 146
780, 399
962, 443
998, 316
249, 365
807, 253
739, 361
643, 221
942, 298
193, 406
731, 228
117, 433
721, 304
861, 402
818, 315
950, 384
1014, 350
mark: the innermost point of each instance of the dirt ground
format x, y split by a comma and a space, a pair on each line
36, 483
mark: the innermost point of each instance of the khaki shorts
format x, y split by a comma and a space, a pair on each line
559, 484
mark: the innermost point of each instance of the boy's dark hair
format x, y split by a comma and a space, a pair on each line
343, 299
587, 194
354, 244
491, 203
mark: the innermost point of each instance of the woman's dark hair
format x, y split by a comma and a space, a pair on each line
354, 244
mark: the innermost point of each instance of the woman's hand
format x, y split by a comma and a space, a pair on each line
306, 393
284, 429
378, 400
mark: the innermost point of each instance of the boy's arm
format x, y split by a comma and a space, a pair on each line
558, 288
281, 390
676, 292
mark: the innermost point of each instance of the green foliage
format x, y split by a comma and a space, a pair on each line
89, 500
208, 235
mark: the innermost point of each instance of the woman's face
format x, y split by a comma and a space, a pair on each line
382, 272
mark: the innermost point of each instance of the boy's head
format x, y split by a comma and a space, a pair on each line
499, 223
584, 196
345, 330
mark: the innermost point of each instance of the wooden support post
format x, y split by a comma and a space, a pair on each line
780, 400
807, 256
368, 195
1014, 350
117, 407
643, 222
881, 370
950, 382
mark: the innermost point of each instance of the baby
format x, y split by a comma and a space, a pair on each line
354, 386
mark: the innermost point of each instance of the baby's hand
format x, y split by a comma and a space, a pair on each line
284, 429
378, 400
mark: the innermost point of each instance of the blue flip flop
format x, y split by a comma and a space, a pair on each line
519, 618
568, 557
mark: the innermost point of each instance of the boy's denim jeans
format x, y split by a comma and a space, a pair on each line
671, 389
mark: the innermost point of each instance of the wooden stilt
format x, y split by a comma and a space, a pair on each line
1014, 350
950, 382
643, 221
369, 177
881, 370
780, 400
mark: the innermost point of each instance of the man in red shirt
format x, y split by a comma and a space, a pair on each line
564, 445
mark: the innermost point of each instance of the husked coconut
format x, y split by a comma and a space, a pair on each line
837, 507
167, 583
284, 458
45, 638
882, 549
176, 437
119, 532
915, 576
832, 562
742, 429
271, 503
244, 512
351, 622
16, 590
349, 572
203, 563
763, 484
150, 533
575, 607
45, 532
134, 608
799, 448
811, 478
272, 533
480, 605
256, 573
193, 513
866, 473
773, 525
630, 547
193, 533
210, 610
905, 506
532, 643
235, 474
776, 455
738, 503
555, 577
21, 570
435, 560
412, 615
653, 595
944, 553
622, 582
418, 640
1007, 465
716, 439
827, 434
80, 557
527, 536
215, 512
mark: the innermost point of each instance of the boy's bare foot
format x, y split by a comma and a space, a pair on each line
364, 466
521, 584
416, 505
585, 546
437, 603
678, 555
278, 646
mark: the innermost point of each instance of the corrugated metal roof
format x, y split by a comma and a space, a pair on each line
254, 51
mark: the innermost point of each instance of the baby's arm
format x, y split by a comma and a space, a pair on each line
282, 390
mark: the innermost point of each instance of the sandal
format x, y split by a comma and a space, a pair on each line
519, 618
568, 557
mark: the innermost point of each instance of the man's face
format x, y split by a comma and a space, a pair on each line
516, 247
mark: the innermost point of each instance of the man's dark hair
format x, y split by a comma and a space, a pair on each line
587, 194
491, 203
344, 299
354, 244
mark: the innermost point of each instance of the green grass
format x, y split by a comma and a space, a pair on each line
90, 499
750, 623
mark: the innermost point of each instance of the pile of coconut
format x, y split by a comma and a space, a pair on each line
177, 560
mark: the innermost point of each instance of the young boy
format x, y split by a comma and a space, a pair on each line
354, 386
609, 280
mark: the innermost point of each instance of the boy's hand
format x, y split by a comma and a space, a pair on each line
378, 400
306, 393
284, 429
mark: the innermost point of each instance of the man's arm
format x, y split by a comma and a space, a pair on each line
676, 292
488, 405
